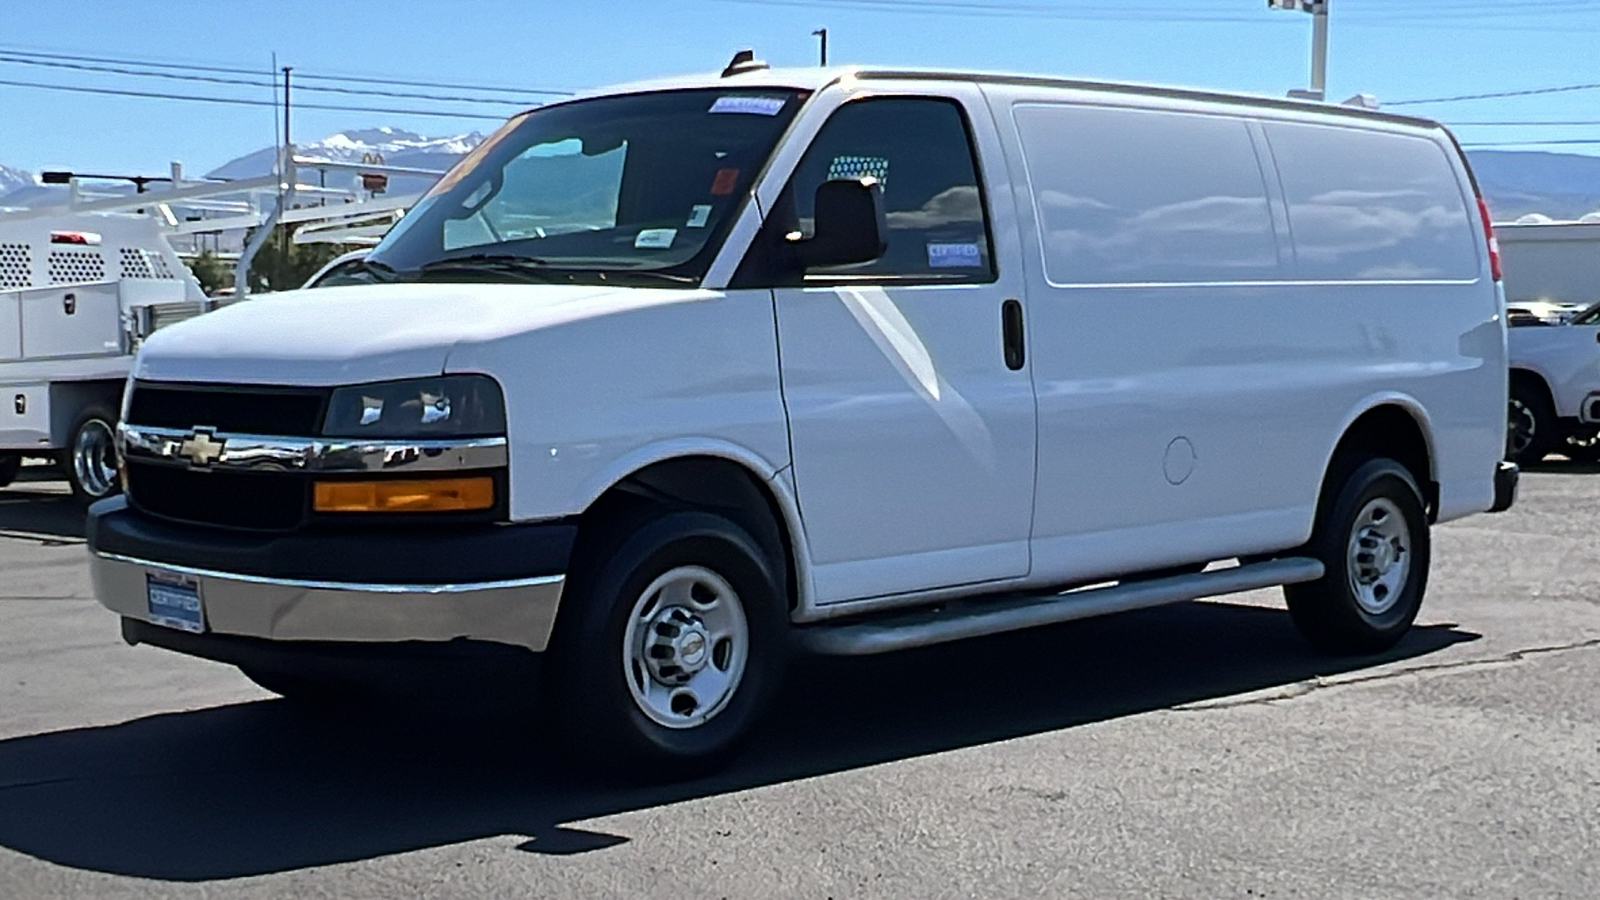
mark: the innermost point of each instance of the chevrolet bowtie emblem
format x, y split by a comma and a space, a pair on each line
201, 448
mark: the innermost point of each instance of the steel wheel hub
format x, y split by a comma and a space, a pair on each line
677, 645
1379, 555
685, 646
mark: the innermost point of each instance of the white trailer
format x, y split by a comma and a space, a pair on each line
1551, 261
78, 292
82, 284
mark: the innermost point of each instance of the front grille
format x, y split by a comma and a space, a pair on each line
267, 501
285, 411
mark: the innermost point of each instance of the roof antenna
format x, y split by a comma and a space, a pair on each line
742, 62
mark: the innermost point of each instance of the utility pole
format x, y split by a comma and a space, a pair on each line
822, 35
1319, 45
286, 139
288, 152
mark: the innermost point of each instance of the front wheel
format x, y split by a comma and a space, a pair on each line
91, 455
1372, 536
670, 640
10, 466
1530, 425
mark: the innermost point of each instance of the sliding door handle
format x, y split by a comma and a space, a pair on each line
1011, 334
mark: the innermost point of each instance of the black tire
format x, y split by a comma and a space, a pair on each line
1583, 449
1344, 612
10, 465
1530, 423
595, 682
89, 460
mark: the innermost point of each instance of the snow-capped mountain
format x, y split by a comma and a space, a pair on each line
395, 146
1558, 185
1562, 186
12, 180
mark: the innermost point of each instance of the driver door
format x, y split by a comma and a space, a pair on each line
912, 432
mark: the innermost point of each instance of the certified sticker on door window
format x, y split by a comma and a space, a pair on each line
954, 256
655, 238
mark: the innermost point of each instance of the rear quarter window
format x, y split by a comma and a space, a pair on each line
1370, 205
1138, 196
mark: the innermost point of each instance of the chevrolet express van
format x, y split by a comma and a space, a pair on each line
662, 382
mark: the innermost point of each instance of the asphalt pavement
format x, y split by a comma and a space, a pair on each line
1200, 750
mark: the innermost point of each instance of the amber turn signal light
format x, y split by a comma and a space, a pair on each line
396, 495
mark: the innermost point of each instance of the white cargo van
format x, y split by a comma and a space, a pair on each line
663, 381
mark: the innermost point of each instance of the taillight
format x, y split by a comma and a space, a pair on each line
1494, 242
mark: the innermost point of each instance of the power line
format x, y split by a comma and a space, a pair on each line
1526, 93
235, 70
213, 79
242, 101
1529, 122
1551, 143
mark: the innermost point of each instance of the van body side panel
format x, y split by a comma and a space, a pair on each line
594, 398
1192, 384
1396, 218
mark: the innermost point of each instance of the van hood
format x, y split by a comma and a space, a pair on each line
376, 332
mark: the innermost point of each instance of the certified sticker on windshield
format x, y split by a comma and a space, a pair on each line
760, 106
655, 238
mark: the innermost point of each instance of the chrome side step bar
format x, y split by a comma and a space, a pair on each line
993, 615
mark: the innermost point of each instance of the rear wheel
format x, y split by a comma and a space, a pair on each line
1531, 424
10, 465
1372, 536
671, 638
91, 456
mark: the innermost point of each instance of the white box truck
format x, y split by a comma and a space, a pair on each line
664, 381
78, 292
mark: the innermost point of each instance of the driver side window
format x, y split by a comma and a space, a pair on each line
920, 151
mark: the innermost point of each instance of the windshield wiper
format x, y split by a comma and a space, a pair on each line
525, 267
530, 268
382, 271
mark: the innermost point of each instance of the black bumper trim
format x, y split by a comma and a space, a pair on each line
444, 554
374, 665
1506, 475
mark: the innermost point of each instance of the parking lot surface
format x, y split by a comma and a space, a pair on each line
1200, 750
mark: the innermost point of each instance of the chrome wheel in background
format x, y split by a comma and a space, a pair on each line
94, 459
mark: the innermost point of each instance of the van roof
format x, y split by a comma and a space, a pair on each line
817, 77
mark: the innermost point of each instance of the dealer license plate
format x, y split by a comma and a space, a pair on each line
174, 601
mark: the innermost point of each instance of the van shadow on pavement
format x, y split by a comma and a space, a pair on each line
261, 787
38, 504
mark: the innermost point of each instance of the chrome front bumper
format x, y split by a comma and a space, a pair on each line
520, 612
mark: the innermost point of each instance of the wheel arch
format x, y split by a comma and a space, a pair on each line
734, 484
1391, 425
68, 399
1537, 379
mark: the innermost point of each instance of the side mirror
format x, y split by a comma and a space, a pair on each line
850, 224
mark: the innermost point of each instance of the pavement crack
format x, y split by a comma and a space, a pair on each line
1310, 685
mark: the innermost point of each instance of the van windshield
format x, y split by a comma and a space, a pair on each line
630, 188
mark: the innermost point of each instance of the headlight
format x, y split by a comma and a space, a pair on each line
443, 407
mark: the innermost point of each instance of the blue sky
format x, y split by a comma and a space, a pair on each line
1395, 49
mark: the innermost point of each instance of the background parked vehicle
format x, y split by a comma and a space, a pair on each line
1554, 405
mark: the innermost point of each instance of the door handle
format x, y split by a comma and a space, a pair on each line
1011, 334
